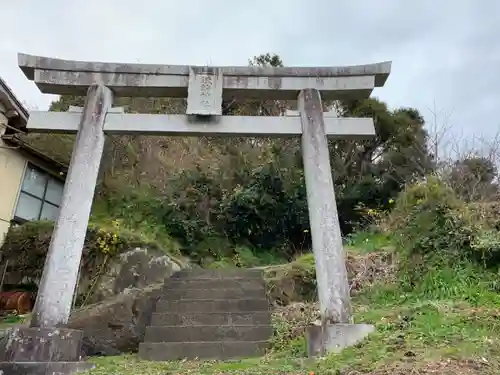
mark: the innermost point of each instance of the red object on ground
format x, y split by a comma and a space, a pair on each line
22, 302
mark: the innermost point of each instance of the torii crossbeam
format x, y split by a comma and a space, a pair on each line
68, 77
205, 88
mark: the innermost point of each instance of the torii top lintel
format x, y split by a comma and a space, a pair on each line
57, 76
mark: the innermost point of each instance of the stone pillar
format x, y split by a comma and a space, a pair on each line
55, 294
45, 347
336, 331
331, 273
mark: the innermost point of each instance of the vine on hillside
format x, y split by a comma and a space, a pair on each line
108, 241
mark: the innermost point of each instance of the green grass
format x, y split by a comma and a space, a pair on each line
447, 321
11, 320
409, 335
439, 314
368, 242
451, 319
136, 224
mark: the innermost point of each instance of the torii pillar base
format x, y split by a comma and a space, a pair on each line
42, 351
333, 338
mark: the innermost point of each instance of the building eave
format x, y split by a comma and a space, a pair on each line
57, 166
14, 107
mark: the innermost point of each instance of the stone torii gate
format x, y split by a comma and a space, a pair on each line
204, 88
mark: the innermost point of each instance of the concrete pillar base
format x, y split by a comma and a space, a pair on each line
333, 338
43, 368
41, 351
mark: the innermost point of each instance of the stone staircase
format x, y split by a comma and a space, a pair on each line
209, 314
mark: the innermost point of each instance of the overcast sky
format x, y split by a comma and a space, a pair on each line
446, 54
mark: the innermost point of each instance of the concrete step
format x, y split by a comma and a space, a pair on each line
247, 284
230, 293
211, 305
207, 333
211, 318
227, 273
201, 350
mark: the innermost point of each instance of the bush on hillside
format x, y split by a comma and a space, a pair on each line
296, 281
434, 225
429, 218
487, 212
139, 211
270, 210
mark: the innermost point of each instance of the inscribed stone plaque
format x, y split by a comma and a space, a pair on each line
204, 91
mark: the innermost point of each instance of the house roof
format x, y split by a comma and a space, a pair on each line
15, 109
18, 115
18, 141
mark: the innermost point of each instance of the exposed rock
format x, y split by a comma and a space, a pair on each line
118, 324
136, 268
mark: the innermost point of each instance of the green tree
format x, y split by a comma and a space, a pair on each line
369, 173
474, 178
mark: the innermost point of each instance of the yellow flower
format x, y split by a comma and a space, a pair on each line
391, 201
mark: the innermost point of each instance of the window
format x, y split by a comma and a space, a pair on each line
40, 196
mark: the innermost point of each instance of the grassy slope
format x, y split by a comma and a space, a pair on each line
448, 324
